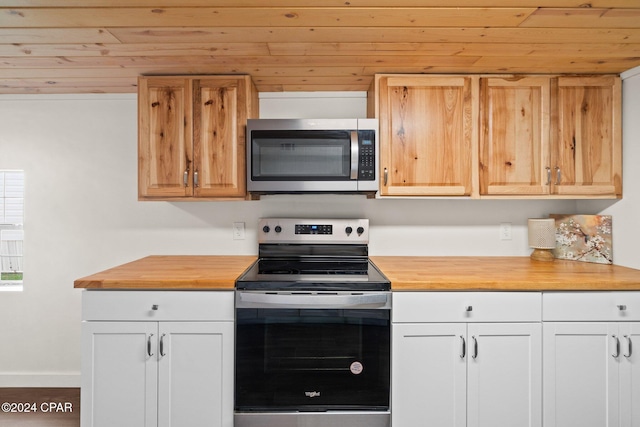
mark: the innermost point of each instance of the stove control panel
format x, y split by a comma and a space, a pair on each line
314, 229
296, 230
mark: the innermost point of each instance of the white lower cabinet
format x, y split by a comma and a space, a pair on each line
591, 373
429, 378
482, 368
630, 375
157, 370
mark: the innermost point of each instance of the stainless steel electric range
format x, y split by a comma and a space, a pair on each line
313, 328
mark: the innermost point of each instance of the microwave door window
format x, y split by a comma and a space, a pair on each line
311, 157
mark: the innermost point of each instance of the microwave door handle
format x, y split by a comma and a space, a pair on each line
355, 154
262, 300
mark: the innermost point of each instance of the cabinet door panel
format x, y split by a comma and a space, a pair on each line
586, 136
505, 378
164, 140
219, 141
514, 136
427, 135
119, 378
428, 375
195, 374
630, 375
580, 375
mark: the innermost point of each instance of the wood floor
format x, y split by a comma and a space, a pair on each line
47, 407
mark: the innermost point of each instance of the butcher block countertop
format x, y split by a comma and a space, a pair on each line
405, 273
171, 272
503, 274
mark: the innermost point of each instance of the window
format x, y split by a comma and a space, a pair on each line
11, 232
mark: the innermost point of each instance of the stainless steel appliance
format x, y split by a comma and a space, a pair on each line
312, 155
312, 329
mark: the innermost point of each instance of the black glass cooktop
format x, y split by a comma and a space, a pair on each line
326, 266
324, 274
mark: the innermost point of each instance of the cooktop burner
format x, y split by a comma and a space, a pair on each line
315, 266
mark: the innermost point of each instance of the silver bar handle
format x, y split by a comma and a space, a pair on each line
196, 180
275, 300
558, 175
475, 347
149, 345
463, 353
548, 175
185, 178
386, 176
162, 353
355, 154
629, 348
617, 353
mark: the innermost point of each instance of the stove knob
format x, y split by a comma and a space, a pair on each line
266, 229
278, 229
348, 230
360, 230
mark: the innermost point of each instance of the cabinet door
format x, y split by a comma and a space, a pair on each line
581, 382
429, 375
427, 135
164, 137
220, 115
514, 135
630, 375
195, 374
586, 136
119, 374
505, 375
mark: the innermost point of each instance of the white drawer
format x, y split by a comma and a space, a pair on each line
416, 307
170, 305
591, 306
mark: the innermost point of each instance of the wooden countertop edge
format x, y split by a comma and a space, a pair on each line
512, 287
198, 272
166, 285
202, 272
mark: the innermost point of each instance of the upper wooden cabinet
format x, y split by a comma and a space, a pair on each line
191, 136
586, 136
499, 136
551, 136
427, 138
514, 123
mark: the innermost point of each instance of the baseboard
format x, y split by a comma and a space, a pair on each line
40, 380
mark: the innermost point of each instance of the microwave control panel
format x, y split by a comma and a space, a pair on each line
367, 156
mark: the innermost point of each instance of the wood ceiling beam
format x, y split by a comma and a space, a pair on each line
373, 35
599, 50
261, 16
323, 3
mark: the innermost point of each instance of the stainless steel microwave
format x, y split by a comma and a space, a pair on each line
312, 156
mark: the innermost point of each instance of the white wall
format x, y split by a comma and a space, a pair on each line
626, 212
82, 216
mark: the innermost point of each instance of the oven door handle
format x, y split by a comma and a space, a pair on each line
332, 301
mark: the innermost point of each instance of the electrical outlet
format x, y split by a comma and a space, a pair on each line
238, 231
505, 231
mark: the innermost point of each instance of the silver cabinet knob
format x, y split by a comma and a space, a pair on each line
622, 307
154, 307
468, 308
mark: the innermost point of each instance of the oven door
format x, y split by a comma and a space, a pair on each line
312, 353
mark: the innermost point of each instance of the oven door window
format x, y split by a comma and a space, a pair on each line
300, 155
314, 360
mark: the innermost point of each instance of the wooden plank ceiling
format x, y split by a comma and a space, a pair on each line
94, 46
